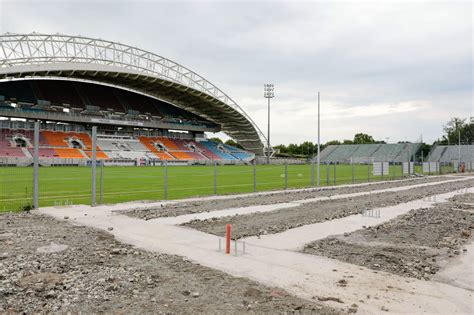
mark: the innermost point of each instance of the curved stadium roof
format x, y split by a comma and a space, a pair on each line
76, 57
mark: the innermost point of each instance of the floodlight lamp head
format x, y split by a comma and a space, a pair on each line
268, 91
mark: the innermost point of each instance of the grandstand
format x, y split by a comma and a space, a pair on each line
145, 107
364, 153
450, 153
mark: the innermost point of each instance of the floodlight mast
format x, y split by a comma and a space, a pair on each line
268, 93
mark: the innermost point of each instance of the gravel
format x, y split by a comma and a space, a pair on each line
412, 245
281, 220
86, 270
212, 205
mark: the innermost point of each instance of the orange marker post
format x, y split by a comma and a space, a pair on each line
228, 233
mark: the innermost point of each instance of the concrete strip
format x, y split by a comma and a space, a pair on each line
267, 208
307, 276
145, 205
295, 239
459, 272
223, 213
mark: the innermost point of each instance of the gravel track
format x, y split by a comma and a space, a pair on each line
281, 220
93, 273
181, 208
414, 245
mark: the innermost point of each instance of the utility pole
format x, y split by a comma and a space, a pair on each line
268, 93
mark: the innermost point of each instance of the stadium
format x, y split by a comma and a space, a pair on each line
150, 111
114, 198
146, 107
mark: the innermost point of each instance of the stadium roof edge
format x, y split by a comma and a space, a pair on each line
58, 55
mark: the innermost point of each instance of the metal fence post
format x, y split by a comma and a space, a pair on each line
352, 167
286, 175
368, 170
101, 196
165, 177
382, 168
94, 161
36, 165
334, 179
254, 176
312, 173
327, 173
393, 170
215, 178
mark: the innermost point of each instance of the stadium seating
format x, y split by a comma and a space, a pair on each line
213, 147
450, 153
78, 145
69, 153
363, 153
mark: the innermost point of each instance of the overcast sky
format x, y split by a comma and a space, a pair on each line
391, 69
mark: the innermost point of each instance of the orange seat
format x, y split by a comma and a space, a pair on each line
100, 155
69, 153
55, 138
148, 142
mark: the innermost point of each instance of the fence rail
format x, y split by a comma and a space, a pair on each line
73, 181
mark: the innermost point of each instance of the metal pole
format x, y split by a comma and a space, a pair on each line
459, 150
215, 178
352, 166
286, 175
319, 144
165, 176
36, 165
101, 197
327, 173
254, 176
382, 168
312, 173
368, 170
393, 169
268, 138
94, 161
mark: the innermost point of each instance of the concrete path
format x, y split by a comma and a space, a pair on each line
307, 276
295, 239
223, 213
267, 208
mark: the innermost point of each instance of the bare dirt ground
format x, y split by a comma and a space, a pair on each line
412, 245
281, 220
465, 201
88, 271
272, 198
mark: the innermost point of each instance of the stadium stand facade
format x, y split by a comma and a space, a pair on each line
451, 153
365, 153
17, 143
145, 107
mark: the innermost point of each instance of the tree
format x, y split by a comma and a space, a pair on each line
363, 138
457, 126
332, 142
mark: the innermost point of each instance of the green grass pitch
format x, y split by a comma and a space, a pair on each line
120, 184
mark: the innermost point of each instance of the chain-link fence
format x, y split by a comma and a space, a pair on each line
72, 178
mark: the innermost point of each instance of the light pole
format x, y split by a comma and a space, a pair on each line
268, 93
319, 145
